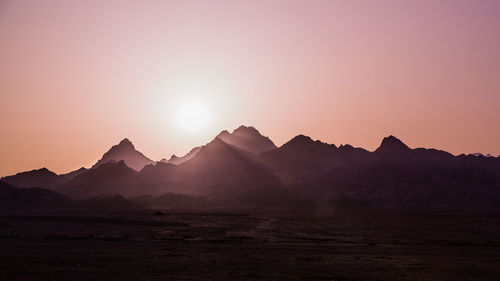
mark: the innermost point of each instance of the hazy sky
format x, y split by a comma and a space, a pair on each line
78, 76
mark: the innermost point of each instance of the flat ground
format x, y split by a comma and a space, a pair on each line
182, 245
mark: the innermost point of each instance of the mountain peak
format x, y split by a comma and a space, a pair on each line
126, 143
391, 143
247, 138
42, 177
125, 151
301, 139
40, 171
306, 141
223, 134
245, 130
220, 158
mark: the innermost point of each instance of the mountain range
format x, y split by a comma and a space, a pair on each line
245, 169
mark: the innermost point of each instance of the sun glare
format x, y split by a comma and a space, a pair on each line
192, 116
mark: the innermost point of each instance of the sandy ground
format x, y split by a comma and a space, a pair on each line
274, 245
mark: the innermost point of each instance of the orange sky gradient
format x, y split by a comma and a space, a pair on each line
76, 77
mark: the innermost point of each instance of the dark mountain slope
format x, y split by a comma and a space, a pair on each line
12, 197
178, 160
35, 178
395, 175
230, 176
300, 156
304, 159
112, 178
219, 159
394, 184
75, 173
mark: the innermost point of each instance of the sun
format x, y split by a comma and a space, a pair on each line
192, 115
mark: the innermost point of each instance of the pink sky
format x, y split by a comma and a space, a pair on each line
78, 76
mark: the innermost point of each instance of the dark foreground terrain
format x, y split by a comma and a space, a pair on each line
327, 245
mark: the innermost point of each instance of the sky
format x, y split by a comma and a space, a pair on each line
76, 77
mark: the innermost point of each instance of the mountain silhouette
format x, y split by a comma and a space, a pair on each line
178, 160
222, 173
247, 138
240, 170
157, 171
232, 177
303, 155
301, 150
12, 197
35, 178
219, 157
111, 178
75, 173
391, 144
125, 151
160, 178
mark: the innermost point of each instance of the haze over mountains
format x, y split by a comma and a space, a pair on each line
244, 169
247, 138
125, 151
